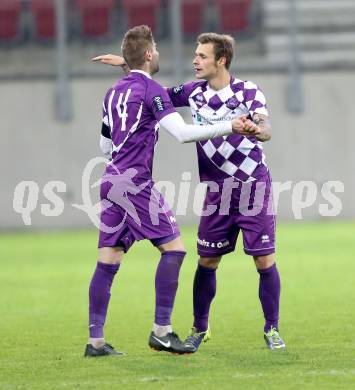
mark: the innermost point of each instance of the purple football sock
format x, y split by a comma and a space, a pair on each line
204, 292
269, 294
99, 297
166, 283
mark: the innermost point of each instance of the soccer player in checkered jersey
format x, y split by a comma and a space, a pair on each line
236, 163
132, 208
218, 96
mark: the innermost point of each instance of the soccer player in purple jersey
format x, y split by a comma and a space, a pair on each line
132, 208
236, 164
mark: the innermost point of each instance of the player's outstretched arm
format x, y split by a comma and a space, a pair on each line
183, 132
113, 60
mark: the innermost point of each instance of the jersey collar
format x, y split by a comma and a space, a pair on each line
223, 89
142, 72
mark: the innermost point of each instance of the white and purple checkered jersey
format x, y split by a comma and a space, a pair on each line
229, 156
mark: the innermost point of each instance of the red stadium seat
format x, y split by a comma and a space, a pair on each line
142, 12
95, 16
44, 16
233, 14
10, 11
192, 14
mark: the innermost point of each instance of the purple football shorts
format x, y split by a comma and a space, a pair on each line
133, 211
233, 207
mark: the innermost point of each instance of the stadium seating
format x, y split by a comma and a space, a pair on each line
326, 33
10, 11
192, 14
95, 16
142, 12
43, 12
233, 15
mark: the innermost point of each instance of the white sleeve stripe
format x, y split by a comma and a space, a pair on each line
110, 119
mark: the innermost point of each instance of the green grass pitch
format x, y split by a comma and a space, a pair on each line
43, 316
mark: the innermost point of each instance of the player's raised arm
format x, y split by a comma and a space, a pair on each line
183, 132
113, 60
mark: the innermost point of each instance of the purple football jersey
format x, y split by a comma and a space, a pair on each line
234, 155
132, 109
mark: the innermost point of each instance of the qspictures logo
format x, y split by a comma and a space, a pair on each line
181, 197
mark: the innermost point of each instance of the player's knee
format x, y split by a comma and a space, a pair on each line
110, 255
174, 245
209, 262
263, 262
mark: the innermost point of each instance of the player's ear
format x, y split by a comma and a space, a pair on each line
148, 55
222, 61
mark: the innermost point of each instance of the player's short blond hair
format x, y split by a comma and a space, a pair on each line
135, 43
223, 45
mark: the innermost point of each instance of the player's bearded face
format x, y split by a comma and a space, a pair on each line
205, 63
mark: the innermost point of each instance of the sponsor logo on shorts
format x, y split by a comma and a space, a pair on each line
265, 238
208, 244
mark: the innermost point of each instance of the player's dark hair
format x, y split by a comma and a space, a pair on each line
223, 45
135, 43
